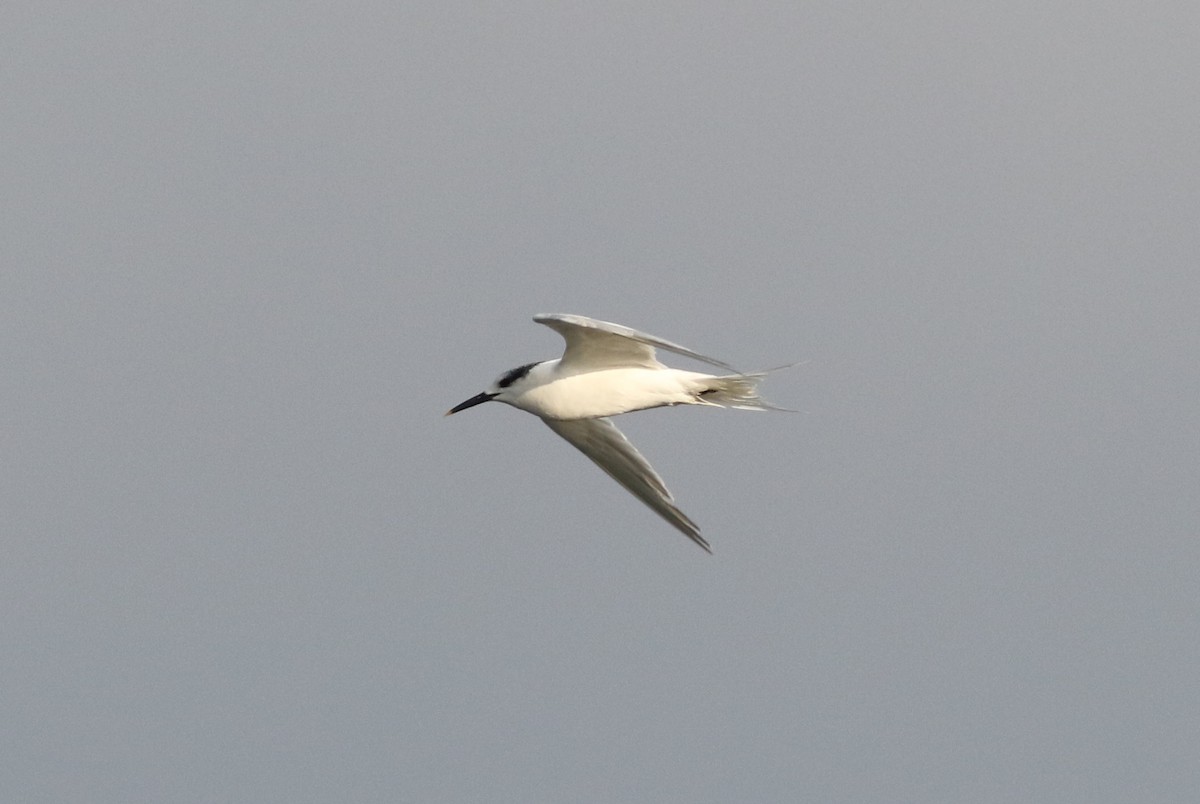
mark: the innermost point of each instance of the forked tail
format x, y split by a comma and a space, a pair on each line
738, 391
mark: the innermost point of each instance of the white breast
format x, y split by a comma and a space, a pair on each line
602, 393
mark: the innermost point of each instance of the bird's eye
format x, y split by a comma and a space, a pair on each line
512, 376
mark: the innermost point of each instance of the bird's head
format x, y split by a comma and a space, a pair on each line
504, 386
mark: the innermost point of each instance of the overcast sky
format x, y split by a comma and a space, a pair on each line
253, 251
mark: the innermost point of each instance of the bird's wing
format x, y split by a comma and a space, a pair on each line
593, 344
608, 448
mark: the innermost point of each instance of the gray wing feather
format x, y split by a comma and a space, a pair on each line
596, 344
608, 448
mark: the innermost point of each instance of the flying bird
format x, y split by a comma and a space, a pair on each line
607, 370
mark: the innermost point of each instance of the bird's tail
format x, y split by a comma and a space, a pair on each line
738, 391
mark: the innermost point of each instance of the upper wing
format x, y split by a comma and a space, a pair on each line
593, 344
600, 440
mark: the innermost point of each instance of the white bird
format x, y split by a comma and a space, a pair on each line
606, 370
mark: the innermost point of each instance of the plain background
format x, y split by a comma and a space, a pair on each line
253, 251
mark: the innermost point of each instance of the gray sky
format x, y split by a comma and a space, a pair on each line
253, 252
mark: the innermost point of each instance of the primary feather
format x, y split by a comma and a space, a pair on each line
608, 448
594, 344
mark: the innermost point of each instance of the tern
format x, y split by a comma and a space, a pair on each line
606, 370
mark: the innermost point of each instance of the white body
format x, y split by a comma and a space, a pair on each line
553, 393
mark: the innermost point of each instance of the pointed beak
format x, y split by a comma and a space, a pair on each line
478, 399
